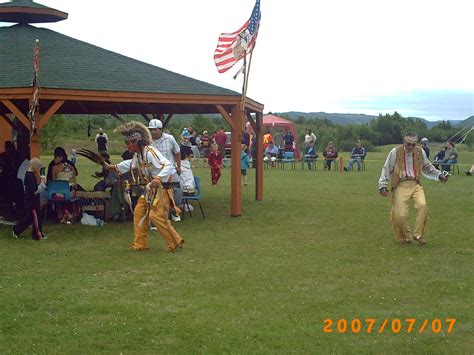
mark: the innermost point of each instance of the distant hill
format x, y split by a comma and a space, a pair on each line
340, 118
353, 118
466, 122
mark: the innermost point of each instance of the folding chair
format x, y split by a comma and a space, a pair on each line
55, 188
196, 197
288, 157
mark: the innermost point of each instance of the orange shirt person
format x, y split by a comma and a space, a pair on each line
267, 138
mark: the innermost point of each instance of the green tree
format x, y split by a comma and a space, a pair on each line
51, 132
202, 123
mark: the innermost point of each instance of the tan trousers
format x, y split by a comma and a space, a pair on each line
158, 214
401, 196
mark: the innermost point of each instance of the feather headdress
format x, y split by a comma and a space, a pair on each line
135, 131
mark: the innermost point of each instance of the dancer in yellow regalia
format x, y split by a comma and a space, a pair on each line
149, 170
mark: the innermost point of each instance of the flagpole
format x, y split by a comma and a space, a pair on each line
246, 80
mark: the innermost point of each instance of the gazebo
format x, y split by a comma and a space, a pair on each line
80, 78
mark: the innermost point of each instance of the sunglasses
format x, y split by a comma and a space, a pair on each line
411, 144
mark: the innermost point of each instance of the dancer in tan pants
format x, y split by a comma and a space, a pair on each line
403, 167
158, 214
148, 169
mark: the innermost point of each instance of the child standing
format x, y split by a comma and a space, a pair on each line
215, 162
244, 163
33, 187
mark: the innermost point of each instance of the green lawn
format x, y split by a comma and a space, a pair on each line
319, 246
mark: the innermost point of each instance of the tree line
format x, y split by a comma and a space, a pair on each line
385, 129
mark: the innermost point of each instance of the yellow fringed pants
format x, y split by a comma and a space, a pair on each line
402, 194
159, 216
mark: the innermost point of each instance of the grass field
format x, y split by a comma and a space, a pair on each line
318, 247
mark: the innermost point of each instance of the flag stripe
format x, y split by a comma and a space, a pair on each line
231, 47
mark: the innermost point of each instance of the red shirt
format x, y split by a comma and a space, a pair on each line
205, 141
220, 138
215, 160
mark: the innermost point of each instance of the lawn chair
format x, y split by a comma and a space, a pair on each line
56, 188
196, 197
288, 158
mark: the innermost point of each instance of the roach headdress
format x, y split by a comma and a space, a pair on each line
135, 131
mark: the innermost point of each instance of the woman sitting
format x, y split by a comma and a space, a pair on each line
187, 178
330, 154
63, 169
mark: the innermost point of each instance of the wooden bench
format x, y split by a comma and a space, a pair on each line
95, 201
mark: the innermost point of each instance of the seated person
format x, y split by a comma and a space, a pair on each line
187, 178
330, 154
450, 157
358, 154
63, 169
310, 157
110, 177
439, 157
271, 153
57, 164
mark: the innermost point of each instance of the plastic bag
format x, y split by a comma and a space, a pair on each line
89, 220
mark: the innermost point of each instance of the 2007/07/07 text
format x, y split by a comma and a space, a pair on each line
395, 326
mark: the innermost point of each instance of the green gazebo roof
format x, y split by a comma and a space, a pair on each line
27, 11
67, 63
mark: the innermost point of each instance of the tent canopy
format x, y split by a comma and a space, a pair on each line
278, 122
272, 121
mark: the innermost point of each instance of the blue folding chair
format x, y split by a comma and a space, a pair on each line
288, 157
196, 197
55, 188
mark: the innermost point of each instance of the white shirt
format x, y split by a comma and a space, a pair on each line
167, 146
187, 177
154, 164
429, 171
22, 171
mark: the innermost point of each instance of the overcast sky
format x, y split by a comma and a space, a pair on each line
364, 56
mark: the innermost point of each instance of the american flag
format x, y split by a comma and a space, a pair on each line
234, 46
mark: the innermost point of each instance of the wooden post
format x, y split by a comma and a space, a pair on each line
6, 131
341, 165
35, 145
259, 158
237, 116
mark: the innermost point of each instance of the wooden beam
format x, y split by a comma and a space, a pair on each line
259, 158
51, 111
18, 114
115, 114
6, 132
167, 120
128, 97
7, 120
145, 116
251, 120
226, 115
235, 182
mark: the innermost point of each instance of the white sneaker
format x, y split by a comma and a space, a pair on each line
14, 234
188, 209
153, 228
175, 218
